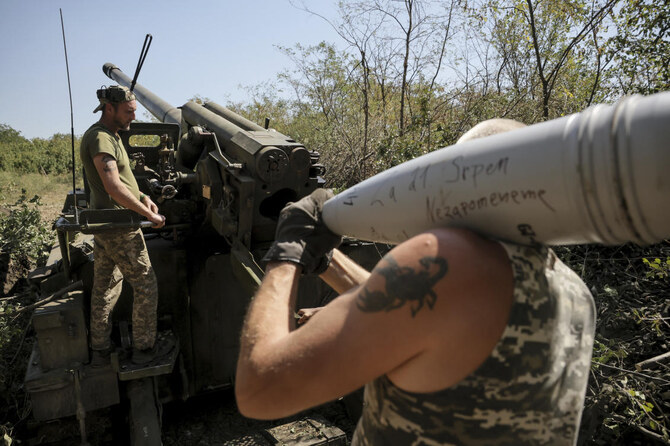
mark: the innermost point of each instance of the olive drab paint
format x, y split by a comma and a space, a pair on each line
221, 181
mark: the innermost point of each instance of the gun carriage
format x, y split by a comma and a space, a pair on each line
221, 181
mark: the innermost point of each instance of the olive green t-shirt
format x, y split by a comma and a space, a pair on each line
98, 139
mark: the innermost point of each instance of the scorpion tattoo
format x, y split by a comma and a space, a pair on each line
405, 284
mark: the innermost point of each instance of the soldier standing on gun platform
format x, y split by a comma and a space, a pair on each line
459, 339
119, 253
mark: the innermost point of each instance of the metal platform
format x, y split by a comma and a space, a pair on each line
159, 366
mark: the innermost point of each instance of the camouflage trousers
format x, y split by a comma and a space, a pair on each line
123, 255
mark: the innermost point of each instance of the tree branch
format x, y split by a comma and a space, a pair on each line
57, 295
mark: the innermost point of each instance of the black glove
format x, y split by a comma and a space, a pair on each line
301, 236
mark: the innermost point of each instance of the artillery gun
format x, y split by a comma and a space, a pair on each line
221, 181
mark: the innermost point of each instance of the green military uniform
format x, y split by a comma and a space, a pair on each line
98, 139
529, 391
118, 254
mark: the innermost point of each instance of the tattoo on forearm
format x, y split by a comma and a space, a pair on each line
109, 163
404, 284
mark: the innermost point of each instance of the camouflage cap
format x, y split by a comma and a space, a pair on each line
115, 94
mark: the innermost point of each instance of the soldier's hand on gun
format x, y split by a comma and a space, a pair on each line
301, 235
148, 202
158, 220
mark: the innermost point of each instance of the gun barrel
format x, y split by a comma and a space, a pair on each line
233, 117
599, 176
196, 114
163, 111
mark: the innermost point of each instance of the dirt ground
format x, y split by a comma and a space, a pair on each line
214, 420
209, 420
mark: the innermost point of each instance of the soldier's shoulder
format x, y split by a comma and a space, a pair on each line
467, 243
96, 129
97, 135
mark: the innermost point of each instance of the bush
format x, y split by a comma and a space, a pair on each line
23, 235
24, 240
45, 156
630, 286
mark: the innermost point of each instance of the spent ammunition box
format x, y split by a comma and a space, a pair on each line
61, 332
54, 394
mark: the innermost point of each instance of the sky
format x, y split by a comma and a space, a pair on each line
200, 47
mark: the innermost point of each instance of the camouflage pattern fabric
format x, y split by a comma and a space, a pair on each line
114, 94
119, 255
529, 391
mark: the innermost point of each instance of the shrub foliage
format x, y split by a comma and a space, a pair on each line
46, 156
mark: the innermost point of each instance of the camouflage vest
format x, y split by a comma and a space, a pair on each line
529, 391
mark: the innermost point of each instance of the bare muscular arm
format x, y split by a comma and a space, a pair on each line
410, 320
106, 166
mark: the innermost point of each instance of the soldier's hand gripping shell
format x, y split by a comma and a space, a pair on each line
302, 237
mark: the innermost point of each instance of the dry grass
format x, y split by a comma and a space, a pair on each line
52, 190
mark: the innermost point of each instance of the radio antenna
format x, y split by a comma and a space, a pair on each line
143, 55
69, 88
